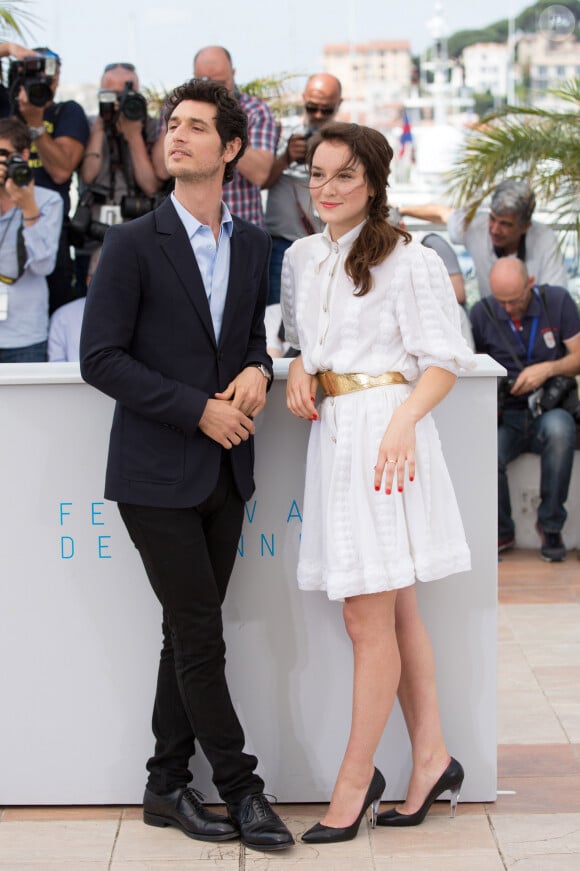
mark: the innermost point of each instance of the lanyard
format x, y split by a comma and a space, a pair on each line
531, 341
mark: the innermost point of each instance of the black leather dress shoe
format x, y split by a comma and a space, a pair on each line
183, 809
260, 828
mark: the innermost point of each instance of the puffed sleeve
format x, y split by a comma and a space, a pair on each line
288, 300
428, 313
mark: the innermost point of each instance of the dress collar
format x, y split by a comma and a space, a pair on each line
340, 247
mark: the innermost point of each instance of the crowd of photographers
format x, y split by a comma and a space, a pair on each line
50, 146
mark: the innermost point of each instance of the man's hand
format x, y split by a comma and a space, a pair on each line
32, 115
296, 150
226, 425
129, 130
23, 197
247, 392
532, 377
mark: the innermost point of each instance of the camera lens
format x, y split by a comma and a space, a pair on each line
18, 170
39, 93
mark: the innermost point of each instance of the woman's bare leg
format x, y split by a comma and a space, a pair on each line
370, 623
418, 698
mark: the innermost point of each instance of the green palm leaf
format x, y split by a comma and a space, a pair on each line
540, 146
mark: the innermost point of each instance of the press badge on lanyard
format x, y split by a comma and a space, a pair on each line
549, 339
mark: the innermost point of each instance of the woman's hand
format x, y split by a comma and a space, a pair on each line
398, 443
397, 448
301, 391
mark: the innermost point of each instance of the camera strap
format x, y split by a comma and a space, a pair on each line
20, 251
488, 308
541, 292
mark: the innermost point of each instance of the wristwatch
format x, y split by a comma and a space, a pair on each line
265, 372
36, 132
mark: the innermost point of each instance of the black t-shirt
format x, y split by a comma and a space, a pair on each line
60, 119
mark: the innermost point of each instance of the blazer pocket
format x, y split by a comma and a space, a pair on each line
151, 451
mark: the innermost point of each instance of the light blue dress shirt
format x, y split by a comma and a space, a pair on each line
27, 318
213, 259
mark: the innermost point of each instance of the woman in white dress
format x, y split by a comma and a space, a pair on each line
375, 318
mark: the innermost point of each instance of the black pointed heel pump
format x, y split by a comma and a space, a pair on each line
451, 779
320, 834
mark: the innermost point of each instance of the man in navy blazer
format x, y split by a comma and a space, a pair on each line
174, 331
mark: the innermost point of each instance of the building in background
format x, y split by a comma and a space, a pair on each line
375, 76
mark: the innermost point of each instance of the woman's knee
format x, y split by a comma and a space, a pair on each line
369, 618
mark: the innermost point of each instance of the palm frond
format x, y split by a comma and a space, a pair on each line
537, 145
16, 18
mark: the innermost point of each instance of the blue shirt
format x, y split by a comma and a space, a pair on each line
27, 320
557, 322
212, 259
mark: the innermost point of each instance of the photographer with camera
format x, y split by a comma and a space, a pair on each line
59, 133
30, 222
117, 166
534, 332
289, 211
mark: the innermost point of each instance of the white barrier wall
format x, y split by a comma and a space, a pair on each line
524, 483
80, 628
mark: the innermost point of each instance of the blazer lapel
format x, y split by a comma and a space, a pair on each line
238, 266
177, 248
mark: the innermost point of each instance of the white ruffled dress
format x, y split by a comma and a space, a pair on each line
354, 539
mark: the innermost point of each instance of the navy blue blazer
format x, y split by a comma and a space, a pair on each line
148, 341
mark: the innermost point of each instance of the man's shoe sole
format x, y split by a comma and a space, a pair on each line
553, 559
269, 848
162, 822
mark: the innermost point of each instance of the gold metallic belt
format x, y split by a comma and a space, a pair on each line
335, 385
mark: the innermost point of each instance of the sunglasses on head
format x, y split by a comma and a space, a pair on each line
129, 67
6, 154
315, 109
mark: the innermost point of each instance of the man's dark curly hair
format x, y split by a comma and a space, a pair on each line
231, 120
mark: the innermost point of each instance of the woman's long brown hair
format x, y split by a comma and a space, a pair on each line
377, 238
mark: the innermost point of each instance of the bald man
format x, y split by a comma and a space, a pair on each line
289, 211
243, 194
535, 334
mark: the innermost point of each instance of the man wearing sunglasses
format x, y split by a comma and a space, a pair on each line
30, 221
59, 133
289, 211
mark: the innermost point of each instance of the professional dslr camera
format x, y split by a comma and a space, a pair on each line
83, 225
129, 103
504, 386
35, 74
18, 170
561, 391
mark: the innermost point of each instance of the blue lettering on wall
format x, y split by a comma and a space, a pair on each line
241, 545
67, 547
294, 513
248, 515
103, 547
63, 513
264, 542
95, 513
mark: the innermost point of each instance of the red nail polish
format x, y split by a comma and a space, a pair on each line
400, 489
312, 398
411, 479
388, 492
377, 487
315, 416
